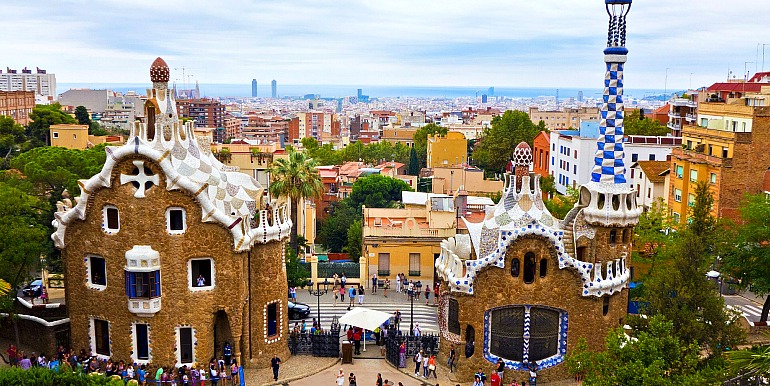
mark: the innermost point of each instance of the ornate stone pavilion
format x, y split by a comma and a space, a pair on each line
523, 286
167, 253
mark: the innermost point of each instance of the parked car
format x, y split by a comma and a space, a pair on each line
33, 288
298, 311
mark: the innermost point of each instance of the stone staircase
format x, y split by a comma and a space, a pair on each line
569, 242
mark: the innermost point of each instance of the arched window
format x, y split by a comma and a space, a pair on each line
515, 267
543, 267
613, 236
507, 338
470, 338
625, 235
605, 305
453, 320
530, 265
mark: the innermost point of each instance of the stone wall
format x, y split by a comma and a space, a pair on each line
143, 222
560, 288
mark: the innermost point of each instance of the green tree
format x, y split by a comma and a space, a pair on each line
51, 170
43, 116
635, 124
82, 116
679, 290
753, 359
295, 177
750, 260
655, 356
560, 205
11, 136
333, 231
296, 273
420, 139
495, 147
654, 229
378, 191
355, 241
414, 163
94, 128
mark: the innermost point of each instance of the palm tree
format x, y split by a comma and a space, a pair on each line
754, 359
295, 178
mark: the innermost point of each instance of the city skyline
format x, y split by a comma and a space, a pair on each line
514, 44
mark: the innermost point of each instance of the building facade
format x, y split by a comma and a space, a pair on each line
524, 287
569, 117
178, 246
17, 105
649, 180
39, 82
205, 113
725, 148
447, 150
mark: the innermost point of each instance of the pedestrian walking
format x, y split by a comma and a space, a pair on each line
451, 361
293, 293
500, 369
275, 363
427, 295
386, 286
360, 295
340, 378
432, 366
379, 380
425, 360
352, 380
397, 319
344, 279
402, 355
374, 283
352, 295
398, 283
342, 293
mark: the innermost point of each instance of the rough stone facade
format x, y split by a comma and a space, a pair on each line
143, 222
559, 289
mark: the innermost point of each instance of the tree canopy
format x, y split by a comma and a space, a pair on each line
495, 147
635, 124
82, 116
655, 356
750, 260
378, 191
43, 116
677, 287
372, 153
11, 137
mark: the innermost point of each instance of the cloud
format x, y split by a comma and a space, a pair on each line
499, 42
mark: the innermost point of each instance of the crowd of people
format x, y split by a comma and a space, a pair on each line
223, 371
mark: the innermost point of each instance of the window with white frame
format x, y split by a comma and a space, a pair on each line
176, 220
96, 272
185, 340
100, 337
200, 274
110, 219
693, 175
677, 195
141, 340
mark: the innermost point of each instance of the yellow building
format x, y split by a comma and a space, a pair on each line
447, 150
467, 178
69, 136
727, 148
407, 240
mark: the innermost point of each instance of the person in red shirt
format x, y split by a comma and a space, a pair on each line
494, 379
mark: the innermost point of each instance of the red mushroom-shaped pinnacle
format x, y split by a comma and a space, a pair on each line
159, 71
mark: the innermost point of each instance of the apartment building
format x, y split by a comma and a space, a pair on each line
40, 82
564, 119
682, 111
726, 147
17, 105
447, 150
649, 180
313, 124
205, 113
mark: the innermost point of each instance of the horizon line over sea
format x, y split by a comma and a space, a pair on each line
226, 90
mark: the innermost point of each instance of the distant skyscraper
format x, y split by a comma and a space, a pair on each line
274, 86
483, 98
40, 82
580, 96
491, 91
254, 88
360, 92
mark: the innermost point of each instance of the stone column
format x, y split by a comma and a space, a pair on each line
363, 269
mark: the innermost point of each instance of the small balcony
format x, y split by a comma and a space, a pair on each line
144, 307
674, 126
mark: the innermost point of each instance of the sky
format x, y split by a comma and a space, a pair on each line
505, 43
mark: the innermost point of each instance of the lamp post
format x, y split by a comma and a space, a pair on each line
318, 293
415, 293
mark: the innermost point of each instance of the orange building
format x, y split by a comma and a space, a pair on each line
540, 153
17, 105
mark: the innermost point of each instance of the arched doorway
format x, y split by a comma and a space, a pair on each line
222, 332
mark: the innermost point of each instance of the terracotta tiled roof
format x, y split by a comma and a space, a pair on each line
738, 87
653, 169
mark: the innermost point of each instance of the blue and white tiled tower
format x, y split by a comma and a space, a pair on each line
609, 200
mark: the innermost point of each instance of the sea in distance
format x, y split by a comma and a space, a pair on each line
339, 91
